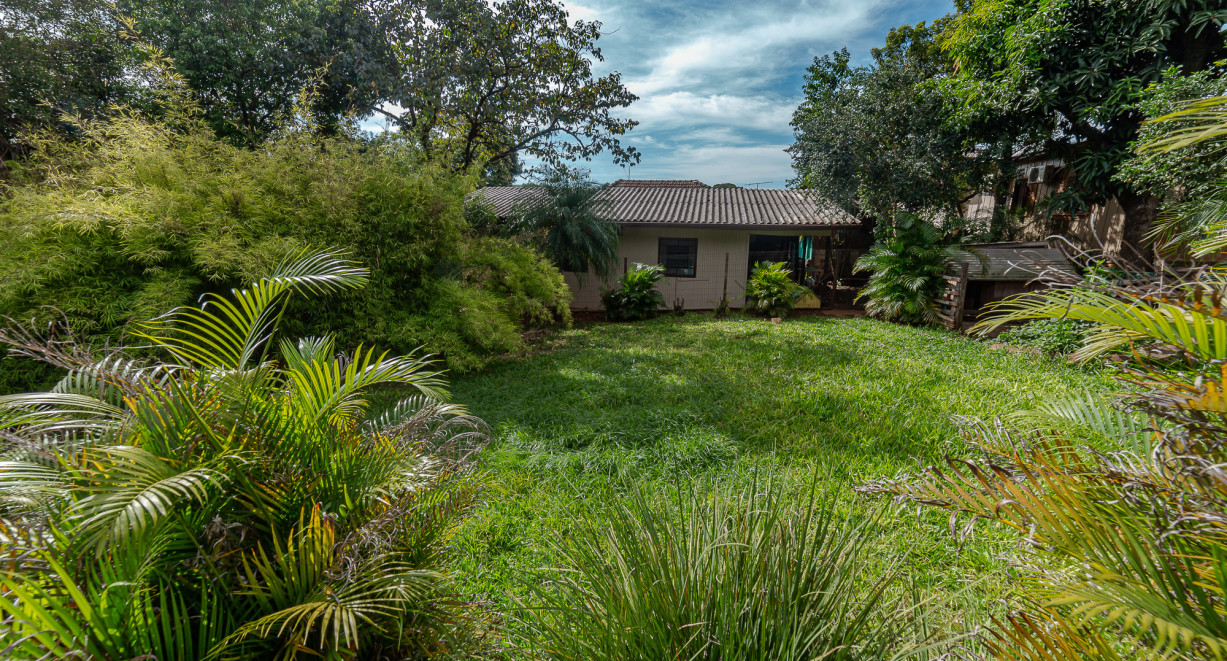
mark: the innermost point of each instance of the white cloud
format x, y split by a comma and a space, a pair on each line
684, 108
740, 165
741, 42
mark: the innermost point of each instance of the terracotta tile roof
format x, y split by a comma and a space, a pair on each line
695, 206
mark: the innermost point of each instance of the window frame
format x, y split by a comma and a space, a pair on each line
675, 241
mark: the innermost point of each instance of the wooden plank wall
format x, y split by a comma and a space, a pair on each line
952, 301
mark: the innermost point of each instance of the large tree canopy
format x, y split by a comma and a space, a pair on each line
471, 83
248, 61
876, 139
1067, 75
487, 81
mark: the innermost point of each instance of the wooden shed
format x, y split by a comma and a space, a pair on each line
995, 271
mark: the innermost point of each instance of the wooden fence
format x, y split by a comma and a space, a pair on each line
953, 299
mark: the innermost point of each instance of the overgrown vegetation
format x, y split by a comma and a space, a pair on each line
1122, 503
770, 290
136, 216
635, 296
688, 403
222, 505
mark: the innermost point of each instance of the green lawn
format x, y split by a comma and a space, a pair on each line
680, 402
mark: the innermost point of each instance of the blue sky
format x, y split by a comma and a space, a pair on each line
718, 80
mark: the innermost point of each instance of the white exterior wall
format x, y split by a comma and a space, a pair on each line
702, 292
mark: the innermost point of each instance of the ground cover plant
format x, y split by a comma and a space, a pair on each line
217, 504
674, 406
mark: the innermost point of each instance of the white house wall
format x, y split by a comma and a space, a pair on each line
702, 292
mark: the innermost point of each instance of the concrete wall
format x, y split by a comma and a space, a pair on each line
702, 292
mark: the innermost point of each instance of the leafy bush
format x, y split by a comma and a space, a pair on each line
1059, 336
906, 272
138, 217
223, 506
770, 290
636, 296
748, 576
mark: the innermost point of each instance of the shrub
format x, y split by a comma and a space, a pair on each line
744, 576
906, 272
770, 290
636, 296
138, 217
223, 506
1058, 336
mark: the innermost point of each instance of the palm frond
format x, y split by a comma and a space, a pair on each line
1121, 319
226, 333
132, 492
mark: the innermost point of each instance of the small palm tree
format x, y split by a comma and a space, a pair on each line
223, 504
906, 272
570, 220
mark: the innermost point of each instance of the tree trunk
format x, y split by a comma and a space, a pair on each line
1141, 210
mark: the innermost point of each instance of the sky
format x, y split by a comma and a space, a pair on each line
718, 80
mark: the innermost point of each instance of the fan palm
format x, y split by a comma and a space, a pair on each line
222, 503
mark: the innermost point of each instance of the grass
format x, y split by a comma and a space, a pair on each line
661, 406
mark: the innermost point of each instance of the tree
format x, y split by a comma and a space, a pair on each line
569, 222
248, 61
875, 139
483, 82
56, 57
1067, 75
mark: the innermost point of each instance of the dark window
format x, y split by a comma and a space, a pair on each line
679, 257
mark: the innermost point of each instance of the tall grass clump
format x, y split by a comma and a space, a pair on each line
749, 575
221, 504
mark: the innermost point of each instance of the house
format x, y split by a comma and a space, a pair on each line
1039, 176
708, 239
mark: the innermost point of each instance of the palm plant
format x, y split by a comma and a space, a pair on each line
222, 504
906, 272
771, 291
1198, 226
569, 217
